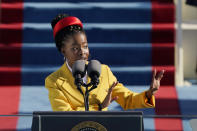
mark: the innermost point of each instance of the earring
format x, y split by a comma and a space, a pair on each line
64, 58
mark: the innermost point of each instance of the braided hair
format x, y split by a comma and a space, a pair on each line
66, 32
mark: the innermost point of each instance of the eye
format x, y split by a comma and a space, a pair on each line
86, 46
75, 48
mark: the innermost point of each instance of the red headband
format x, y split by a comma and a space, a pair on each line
67, 21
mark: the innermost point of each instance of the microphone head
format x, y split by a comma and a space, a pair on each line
79, 68
94, 68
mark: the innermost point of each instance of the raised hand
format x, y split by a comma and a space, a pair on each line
155, 84
108, 99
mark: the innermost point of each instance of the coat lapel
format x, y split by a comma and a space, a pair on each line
69, 85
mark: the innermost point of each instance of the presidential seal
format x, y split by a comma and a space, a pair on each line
89, 126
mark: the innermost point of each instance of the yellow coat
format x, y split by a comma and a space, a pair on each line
64, 96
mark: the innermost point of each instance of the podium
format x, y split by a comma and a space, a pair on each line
88, 121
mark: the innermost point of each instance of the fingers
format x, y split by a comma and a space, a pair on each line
154, 74
113, 99
160, 75
157, 76
108, 99
153, 78
112, 87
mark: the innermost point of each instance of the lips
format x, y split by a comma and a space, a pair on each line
82, 58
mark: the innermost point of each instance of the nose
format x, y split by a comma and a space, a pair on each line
81, 52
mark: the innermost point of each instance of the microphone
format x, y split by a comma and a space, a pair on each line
78, 71
94, 70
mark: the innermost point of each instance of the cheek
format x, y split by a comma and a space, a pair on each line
69, 54
87, 51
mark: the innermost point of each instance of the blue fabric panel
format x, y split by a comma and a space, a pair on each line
34, 77
32, 98
94, 35
88, 13
134, 77
186, 124
188, 103
123, 56
187, 99
138, 55
41, 56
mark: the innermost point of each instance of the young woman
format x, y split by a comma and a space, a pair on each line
71, 41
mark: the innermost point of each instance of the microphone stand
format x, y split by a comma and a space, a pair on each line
86, 99
86, 95
79, 82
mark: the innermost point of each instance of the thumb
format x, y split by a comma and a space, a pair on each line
113, 99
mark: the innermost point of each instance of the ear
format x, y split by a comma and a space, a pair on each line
62, 51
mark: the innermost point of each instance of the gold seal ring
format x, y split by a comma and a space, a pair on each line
89, 126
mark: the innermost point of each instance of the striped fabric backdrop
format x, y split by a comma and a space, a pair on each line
133, 37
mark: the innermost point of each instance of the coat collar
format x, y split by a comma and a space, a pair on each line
70, 87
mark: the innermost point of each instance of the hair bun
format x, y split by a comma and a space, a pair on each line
58, 18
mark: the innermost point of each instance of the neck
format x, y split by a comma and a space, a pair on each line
69, 65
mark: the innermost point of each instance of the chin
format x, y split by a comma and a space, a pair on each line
83, 59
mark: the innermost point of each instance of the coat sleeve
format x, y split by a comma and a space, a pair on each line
128, 99
59, 101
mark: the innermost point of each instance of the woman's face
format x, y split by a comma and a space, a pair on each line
75, 48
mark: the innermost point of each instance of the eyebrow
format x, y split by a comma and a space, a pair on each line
85, 42
74, 44
77, 44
